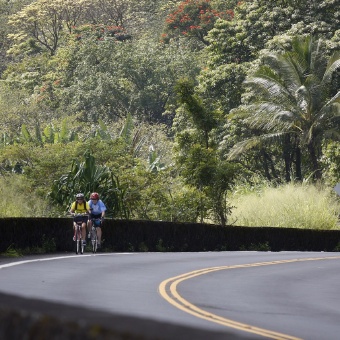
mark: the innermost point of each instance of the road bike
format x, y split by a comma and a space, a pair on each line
96, 222
79, 244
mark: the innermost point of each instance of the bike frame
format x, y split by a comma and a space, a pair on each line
78, 233
94, 236
79, 239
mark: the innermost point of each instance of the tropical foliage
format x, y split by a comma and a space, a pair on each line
291, 96
163, 105
194, 19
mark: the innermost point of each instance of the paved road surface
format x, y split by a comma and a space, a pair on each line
261, 295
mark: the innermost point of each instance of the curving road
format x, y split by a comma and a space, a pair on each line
260, 295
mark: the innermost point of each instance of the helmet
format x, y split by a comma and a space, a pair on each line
94, 196
80, 195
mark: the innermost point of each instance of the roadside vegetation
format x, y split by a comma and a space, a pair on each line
293, 205
19, 200
164, 107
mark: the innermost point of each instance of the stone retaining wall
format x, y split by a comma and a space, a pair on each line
31, 319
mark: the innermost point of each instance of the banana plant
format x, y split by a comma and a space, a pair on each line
155, 164
25, 135
87, 177
49, 135
133, 139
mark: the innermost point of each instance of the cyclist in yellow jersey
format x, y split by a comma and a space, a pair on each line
80, 206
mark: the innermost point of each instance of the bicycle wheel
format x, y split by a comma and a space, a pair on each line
81, 240
77, 242
94, 240
81, 244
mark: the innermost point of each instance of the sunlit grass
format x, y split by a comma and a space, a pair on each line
287, 206
19, 200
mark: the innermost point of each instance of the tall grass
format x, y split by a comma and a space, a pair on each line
287, 206
19, 200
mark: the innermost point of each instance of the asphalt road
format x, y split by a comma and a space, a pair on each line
263, 295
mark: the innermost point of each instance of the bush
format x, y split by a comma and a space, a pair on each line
19, 200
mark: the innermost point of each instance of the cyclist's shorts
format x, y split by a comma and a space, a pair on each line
84, 219
96, 216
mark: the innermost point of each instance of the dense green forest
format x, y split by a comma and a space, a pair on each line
168, 109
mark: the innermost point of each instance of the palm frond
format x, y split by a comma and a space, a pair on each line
248, 144
291, 67
269, 116
266, 89
332, 66
270, 86
330, 109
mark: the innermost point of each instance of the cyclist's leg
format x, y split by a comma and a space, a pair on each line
83, 231
89, 226
94, 239
81, 242
77, 239
99, 235
98, 228
74, 230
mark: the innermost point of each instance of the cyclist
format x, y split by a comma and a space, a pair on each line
80, 206
97, 208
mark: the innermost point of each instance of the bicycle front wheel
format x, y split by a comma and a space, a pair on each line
81, 246
94, 240
77, 243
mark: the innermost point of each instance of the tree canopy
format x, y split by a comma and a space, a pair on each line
174, 100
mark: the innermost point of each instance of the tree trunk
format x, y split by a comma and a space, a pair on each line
286, 157
317, 172
298, 161
221, 214
265, 165
269, 165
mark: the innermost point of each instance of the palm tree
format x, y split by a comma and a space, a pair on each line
293, 99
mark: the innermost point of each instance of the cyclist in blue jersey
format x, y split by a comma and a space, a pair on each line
97, 208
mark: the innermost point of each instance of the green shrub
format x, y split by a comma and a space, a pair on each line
11, 252
19, 200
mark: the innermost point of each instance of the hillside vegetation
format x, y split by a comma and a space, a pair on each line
165, 107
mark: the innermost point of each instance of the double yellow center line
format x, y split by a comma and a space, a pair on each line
168, 290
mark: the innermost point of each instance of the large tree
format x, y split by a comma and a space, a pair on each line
291, 95
198, 156
39, 26
105, 78
235, 43
194, 19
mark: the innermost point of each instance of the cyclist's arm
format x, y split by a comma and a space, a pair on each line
102, 208
87, 206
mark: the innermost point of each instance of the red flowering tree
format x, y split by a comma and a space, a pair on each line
194, 19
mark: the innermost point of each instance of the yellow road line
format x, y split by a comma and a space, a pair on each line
168, 290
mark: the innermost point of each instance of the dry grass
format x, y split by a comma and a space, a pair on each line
288, 206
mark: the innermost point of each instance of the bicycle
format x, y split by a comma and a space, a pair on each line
79, 245
96, 222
